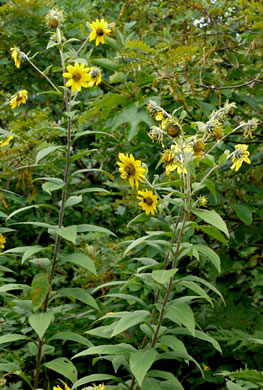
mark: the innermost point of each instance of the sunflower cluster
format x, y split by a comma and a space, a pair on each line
131, 170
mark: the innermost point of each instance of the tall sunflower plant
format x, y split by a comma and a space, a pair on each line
154, 307
62, 248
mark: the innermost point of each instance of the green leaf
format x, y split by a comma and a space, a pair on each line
213, 232
243, 213
40, 288
64, 367
214, 219
45, 152
140, 363
173, 343
11, 286
130, 319
234, 386
135, 243
116, 349
93, 189
10, 338
68, 233
210, 185
133, 116
128, 297
40, 322
181, 314
176, 385
71, 336
106, 63
80, 294
163, 276
248, 375
82, 260
9, 367
31, 251
22, 209
200, 335
94, 378
93, 228
50, 187
210, 255
72, 201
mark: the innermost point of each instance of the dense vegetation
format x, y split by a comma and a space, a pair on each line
131, 194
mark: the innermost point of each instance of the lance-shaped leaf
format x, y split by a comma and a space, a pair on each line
141, 362
214, 219
40, 322
64, 367
40, 288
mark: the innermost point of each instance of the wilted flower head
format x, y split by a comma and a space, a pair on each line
198, 148
203, 201
250, 126
6, 142
153, 108
55, 17
156, 134
172, 128
95, 76
19, 98
222, 113
15, 53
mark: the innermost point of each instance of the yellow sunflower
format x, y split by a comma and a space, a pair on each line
240, 155
2, 241
99, 387
100, 31
148, 201
16, 57
203, 201
59, 388
198, 148
19, 98
95, 76
169, 161
78, 76
131, 169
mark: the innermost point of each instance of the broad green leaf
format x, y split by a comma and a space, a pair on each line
94, 378
163, 276
72, 201
40, 288
233, 386
108, 284
46, 151
21, 210
196, 288
176, 385
106, 63
31, 251
181, 314
93, 228
68, 233
134, 117
10, 338
205, 283
102, 331
128, 297
80, 294
210, 255
92, 189
248, 375
210, 185
82, 260
64, 367
130, 319
134, 243
200, 335
5, 269
214, 219
213, 232
9, 367
11, 286
71, 336
116, 349
140, 363
40, 322
173, 343
50, 187
243, 213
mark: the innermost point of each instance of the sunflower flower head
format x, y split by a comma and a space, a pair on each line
5, 142
155, 110
100, 30
148, 201
95, 76
131, 169
2, 242
78, 77
240, 155
156, 134
198, 148
168, 159
15, 53
19, 98
55, 18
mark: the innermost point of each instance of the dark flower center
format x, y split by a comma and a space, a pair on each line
76, 77
148, 200
173, 130
53, 23
19, 97
100, 32
130, 170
